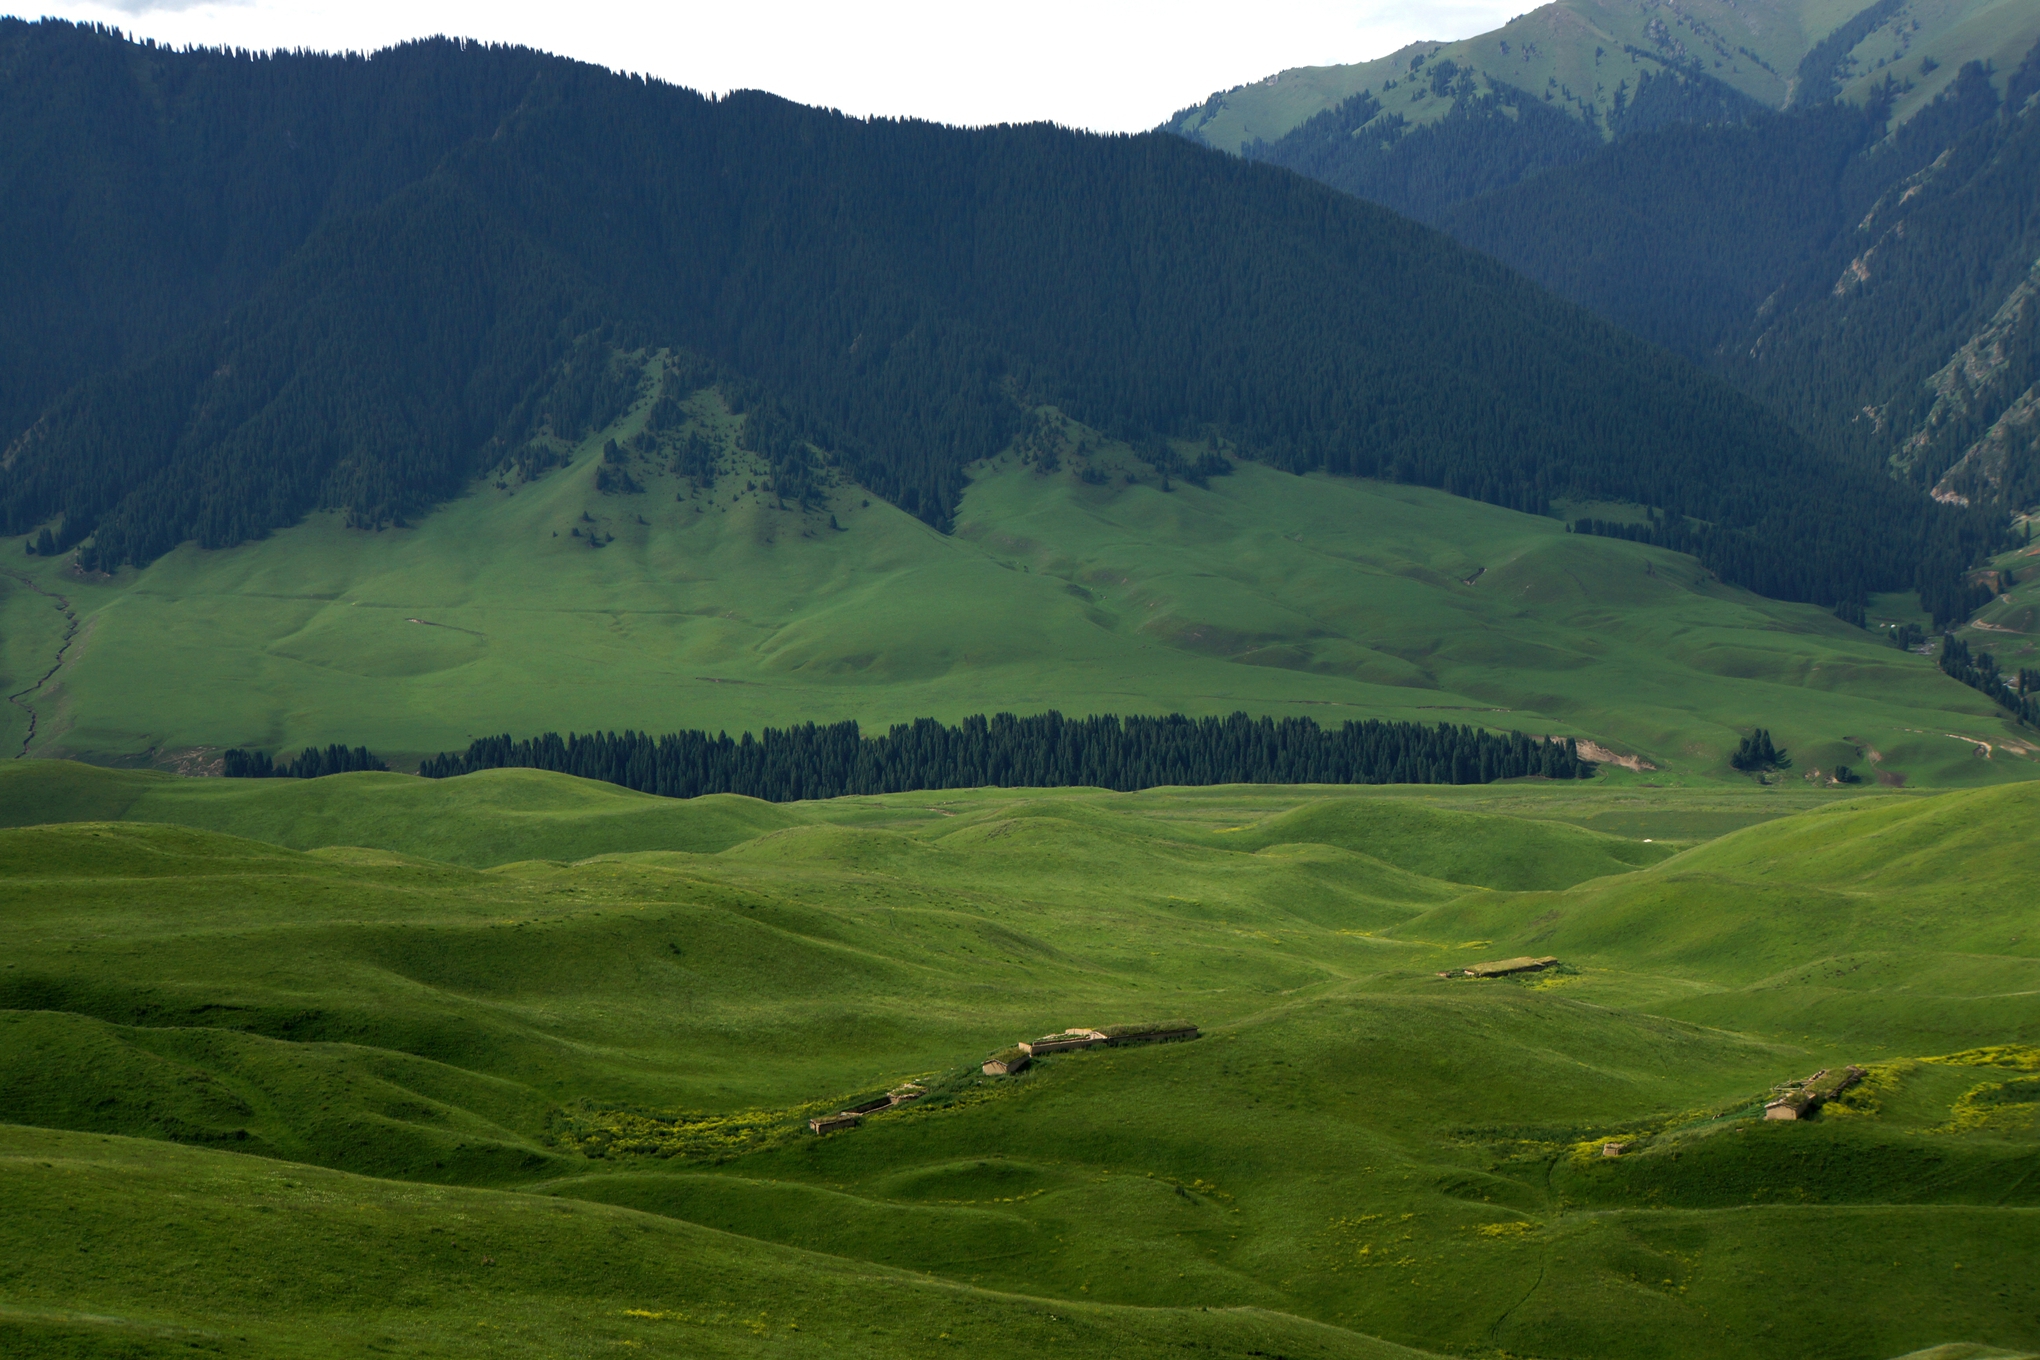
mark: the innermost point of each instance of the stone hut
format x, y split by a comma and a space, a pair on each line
1008, 1061
1063, 1042
1803, 1099
829, 1123
1501, 968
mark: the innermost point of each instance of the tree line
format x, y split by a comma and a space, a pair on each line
310, 763
1044, 751
2018, 693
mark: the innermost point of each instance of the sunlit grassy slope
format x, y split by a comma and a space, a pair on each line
1576, 53
595, 1073
1313, 596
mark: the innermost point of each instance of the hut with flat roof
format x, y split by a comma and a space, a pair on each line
1063, 1042
1803, 1099
829, 1123
1501, 968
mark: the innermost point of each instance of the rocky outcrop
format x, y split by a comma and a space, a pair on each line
2010, 447
1982, 374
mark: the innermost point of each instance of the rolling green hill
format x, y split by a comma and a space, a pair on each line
710, 606
330, 1100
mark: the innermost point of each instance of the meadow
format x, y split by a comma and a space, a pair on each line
549, 605
514, 1064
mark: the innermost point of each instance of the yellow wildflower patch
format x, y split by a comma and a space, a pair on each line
1512, 1228
1995, 1105
2018, 1057
694, 1137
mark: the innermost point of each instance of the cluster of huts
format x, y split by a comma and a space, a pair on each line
1017, 1058
1801, 1099
1500, 968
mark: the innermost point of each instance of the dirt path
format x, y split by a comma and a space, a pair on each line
20, 697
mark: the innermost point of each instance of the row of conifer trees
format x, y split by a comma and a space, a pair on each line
310, 763
2017, 693
1044, 751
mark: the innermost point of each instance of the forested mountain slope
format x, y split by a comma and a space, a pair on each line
885, 301
1878, 291
1436, 123
149, 193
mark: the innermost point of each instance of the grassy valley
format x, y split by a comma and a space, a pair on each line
1074, 580
582, 403
485, 1103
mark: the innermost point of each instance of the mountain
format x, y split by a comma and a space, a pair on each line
1438, 123
884, 302
1833, 211
1880, 291
149, 193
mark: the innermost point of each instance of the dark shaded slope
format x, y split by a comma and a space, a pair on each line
1680, 234
1494, 136
1879, 292
1912, 339
900, 290
144, 192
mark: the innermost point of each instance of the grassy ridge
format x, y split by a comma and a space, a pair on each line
1310, 596
1356, 1149
493, 819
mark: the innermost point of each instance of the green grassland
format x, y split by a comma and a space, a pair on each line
516, 1064
716, 608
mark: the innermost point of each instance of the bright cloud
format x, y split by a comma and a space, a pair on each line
1096, 64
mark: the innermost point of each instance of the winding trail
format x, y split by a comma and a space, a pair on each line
1495, 1328
20, 697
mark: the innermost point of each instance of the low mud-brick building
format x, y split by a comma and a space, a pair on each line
1063, 1042
1112, 1036
1501, 968
1803, 1099
829, 1123
852, 1117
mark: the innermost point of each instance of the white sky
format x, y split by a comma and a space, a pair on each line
1104, 64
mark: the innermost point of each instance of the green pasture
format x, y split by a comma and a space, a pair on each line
518, 1064
1314, 596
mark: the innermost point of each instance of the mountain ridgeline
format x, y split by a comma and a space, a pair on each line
888, 300
1492, 136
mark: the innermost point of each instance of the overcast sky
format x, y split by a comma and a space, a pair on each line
1103, 64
